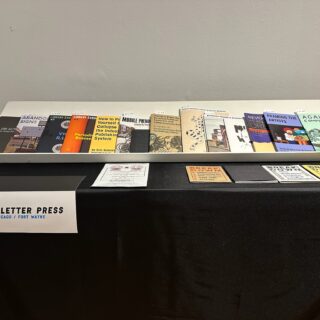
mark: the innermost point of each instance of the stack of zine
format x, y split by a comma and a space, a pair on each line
192, 131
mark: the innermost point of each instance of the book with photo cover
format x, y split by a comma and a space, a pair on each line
238, 137
165, 133
249, 174
8, 128
124, 139
290, 173
216, 135
207, 174
53, 134
258, 132
28, 133
287, 132
192, 128
311, 123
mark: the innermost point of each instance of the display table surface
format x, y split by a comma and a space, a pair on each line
174, 250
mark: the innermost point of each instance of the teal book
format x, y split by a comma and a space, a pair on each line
311, 123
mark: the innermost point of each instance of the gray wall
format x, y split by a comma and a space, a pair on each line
159, 49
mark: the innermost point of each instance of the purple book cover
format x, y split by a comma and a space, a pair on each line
256, 127
287, 132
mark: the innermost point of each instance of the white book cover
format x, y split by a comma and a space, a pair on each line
237, 133
134, 121
290, 173
192, 128
216, 136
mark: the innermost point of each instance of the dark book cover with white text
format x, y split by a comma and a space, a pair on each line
54, 134
8, 127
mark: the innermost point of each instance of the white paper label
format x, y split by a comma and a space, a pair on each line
137, 122
38, 212
123, 175
290, 173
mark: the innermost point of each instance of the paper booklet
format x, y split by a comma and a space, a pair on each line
54, 134
123, 175
313, 168
104, 137
238, 137
192, 128
287, 132
207, 174
216, 135
249, 173
258, 132
124, 139
290, 173
28, 133
165, 133
311, 122
8, 128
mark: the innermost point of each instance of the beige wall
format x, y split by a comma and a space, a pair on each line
159, 49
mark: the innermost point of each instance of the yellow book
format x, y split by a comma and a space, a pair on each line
105, 133
313, 168
263, 146
207, 174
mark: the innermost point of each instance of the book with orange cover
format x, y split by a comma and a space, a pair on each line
207, 174
76, 130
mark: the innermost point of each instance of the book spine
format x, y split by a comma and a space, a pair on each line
87, 136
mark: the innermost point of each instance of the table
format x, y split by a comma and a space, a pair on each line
172, 251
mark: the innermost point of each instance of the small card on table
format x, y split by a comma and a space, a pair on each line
207, 174
123, 175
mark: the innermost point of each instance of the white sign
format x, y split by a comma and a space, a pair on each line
38, 212
137, 122
123, 175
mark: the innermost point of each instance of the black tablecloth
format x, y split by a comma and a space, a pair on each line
174, 250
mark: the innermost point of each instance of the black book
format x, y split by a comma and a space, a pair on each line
249, 174
8, 127
87, 137
54, 134
140, 141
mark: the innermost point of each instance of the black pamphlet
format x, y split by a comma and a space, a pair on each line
140, 141
249, 174
8, 127
54, 134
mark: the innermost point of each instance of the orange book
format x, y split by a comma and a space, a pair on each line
76, 130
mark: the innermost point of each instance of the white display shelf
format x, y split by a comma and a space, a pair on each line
236, 108
149, 157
